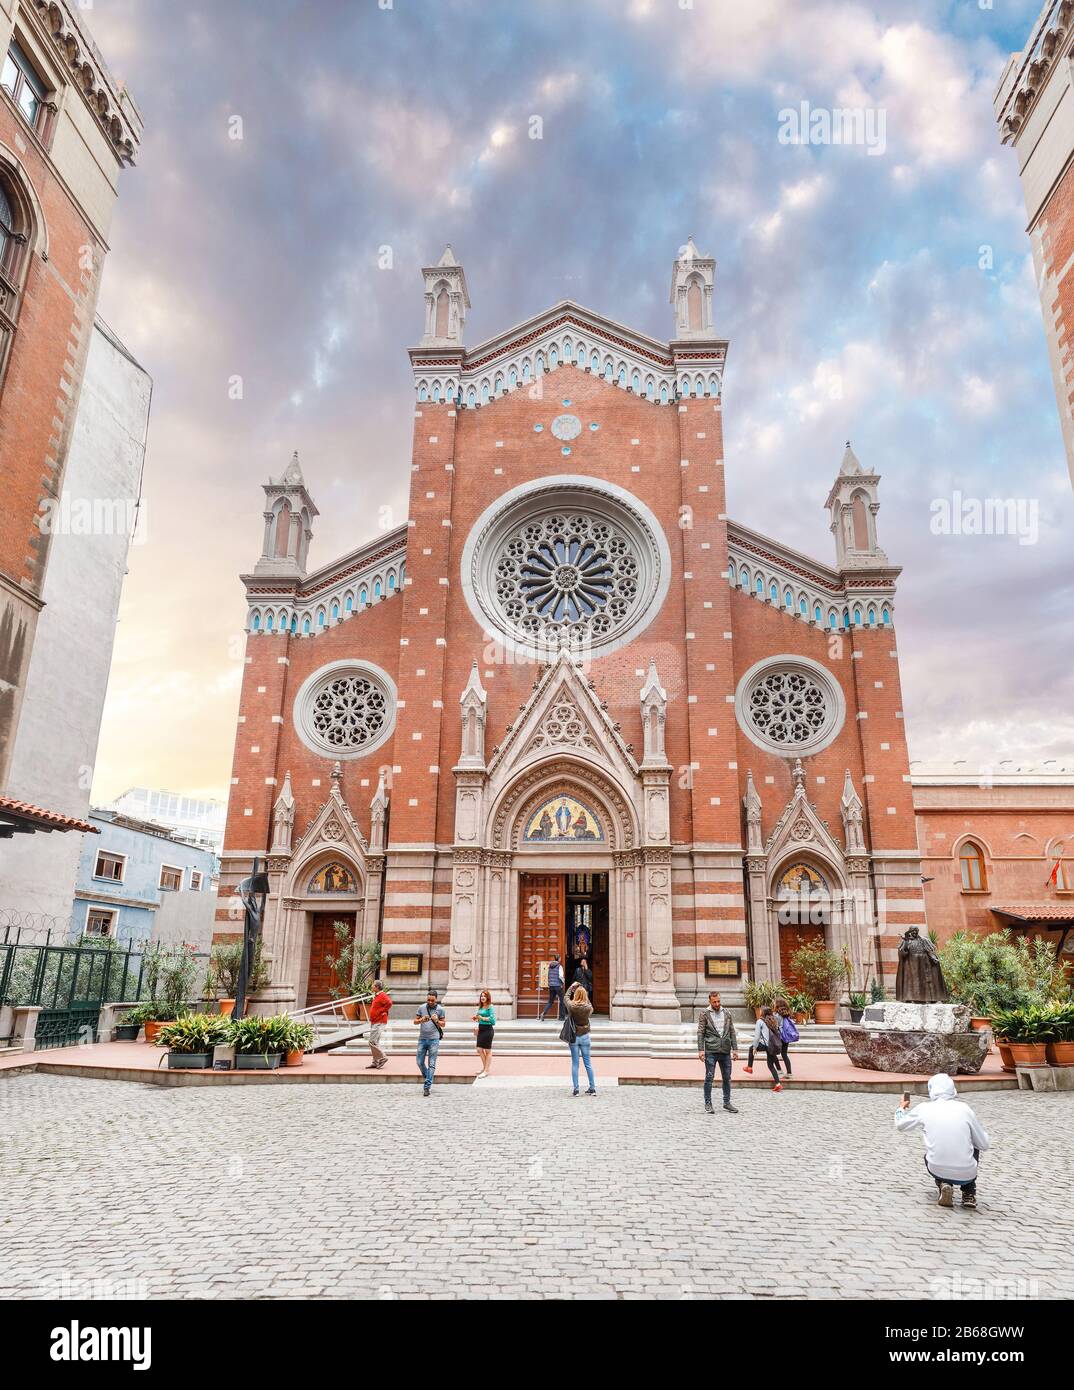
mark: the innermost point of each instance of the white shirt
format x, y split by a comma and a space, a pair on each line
952, 1132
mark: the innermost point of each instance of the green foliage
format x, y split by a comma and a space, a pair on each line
255, 1035
194, 1033
224, 964
179, 971
820, 968
876, 991
759, 993
859, 1000
800, 1002
1032, 1023
997, 974
299, 1035
355, 963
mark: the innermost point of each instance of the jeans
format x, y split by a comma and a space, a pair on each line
427, 1050
969, 1189
773, 1065
581, 1045
555, 996
724, 1061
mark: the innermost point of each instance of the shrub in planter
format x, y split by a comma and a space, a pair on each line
761, 994
259, 1042
1060, 1046
801, 1005
858, 1004
190, 1040
1027, 1032
988, 973
299, 1036
822, 970
355, 964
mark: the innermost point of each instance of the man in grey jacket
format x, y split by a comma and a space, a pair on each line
717, 1045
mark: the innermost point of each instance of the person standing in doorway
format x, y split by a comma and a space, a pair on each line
766, 1039
579, 1012
555, 988
584, 976
431, 1022
380, 1006
717, 1046
485, 1018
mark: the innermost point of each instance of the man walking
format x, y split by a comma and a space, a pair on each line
717, 1045
431, 1020
954, 1139
555, 988
380, 1006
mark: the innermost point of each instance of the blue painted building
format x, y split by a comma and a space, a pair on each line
133, 876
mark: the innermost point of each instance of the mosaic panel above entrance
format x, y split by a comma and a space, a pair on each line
563, 819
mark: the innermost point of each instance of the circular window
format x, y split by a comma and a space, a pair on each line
345, 710
566, 562
790, 705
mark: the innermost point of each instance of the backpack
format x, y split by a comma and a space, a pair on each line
788, 1030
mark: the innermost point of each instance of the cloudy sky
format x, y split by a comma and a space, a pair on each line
884, 294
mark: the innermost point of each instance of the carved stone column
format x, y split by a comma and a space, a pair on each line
626, 935
661, 1004
464, 958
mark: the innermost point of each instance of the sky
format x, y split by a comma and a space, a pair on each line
880, 291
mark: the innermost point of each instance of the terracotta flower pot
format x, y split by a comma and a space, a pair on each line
757, 1011
294, 1059
800, 1016
824, 1011
1061, 1054
350, 1011
152, 1028
226, 1005
978, 1025
1029, 1054
1005, 1055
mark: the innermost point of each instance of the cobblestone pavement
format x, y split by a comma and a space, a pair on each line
371, 1191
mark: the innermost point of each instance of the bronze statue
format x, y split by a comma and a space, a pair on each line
920, 978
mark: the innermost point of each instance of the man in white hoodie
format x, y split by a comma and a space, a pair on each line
953, 1139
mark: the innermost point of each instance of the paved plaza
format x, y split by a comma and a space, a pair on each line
513, 1191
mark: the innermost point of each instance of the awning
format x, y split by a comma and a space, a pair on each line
1053, 915
20, 818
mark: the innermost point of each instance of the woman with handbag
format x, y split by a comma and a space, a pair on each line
575, 1031
485, 1018
788, 1032
766, 1040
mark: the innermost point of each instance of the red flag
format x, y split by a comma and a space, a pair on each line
1053, 878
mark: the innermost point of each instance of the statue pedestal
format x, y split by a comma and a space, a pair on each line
914, 1050
929, 1018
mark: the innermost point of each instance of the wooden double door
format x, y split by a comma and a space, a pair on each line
792, 936
564, 915
322, 977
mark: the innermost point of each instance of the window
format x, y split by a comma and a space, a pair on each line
171, 878
195, 880
99, 921
27, 89
974, 878
110, 866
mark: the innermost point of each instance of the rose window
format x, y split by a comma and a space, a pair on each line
346, 710
349, 711
788, 708
791, 706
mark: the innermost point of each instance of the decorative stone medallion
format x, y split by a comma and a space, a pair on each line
566, 427
346, 709
790, 705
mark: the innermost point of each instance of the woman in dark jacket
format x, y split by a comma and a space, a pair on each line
584, 976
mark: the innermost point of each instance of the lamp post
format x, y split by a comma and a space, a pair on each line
253, 891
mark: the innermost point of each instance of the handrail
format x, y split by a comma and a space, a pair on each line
329, 1010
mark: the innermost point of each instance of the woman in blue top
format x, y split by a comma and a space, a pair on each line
485, 1018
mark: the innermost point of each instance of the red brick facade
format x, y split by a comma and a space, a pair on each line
680, 847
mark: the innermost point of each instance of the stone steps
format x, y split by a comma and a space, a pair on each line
530, 1037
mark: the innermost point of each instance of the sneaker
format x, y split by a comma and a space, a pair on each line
970, 1202
372, 1066
748, 1070
382, 1063
708, 1108
574, 1093
425, 1090
731, 1109
777, 1087
591, 1092
947, 1195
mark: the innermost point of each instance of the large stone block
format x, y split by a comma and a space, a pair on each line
915, 1050
928, 1018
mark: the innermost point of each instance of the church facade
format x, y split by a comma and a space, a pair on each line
570, 705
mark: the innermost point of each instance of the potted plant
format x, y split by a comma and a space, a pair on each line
129, 1025
225, 962
1027, 1032
801, 1005
260, 1043
761, 994
821, 970
299, 1037
1060, 1046
859, 1002
355, 964
986, 973
190, 1039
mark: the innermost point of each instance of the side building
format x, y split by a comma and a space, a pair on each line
136, 882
